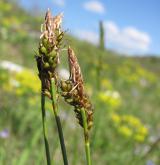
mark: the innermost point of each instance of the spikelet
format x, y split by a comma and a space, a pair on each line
73, 90
49, 48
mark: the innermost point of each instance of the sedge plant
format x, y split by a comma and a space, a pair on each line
47, 61
52, 86
74, 94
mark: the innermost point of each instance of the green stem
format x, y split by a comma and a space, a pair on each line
58, 122
86, 137
76, 152
44, 128
95, 131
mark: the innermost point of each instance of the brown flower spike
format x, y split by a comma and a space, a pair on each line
49, 49
73, 90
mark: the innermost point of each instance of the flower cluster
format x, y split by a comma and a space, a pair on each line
49, 49
47, 62
135, 74
130, 127
111, 98
73, 90
21, 83
26, 82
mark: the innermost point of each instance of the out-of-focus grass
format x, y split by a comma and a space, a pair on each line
126, 117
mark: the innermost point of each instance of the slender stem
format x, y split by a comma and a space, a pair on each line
58, 122
96, 132
99, 70
76, 152
44, 128
86, 137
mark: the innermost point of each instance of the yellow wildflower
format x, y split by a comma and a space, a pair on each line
139, 137
124, 130
116, 118
143, 130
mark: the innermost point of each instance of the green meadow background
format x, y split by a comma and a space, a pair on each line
126, 100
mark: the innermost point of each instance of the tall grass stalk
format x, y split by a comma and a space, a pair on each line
101, 48
45, 128
86, 137
99, 71
58, 122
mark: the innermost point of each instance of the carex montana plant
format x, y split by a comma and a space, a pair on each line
72, 90
47, 61
74, 93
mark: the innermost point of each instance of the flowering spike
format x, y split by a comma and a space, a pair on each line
75, 95
49, 48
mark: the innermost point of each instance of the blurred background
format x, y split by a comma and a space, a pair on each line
118, 48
